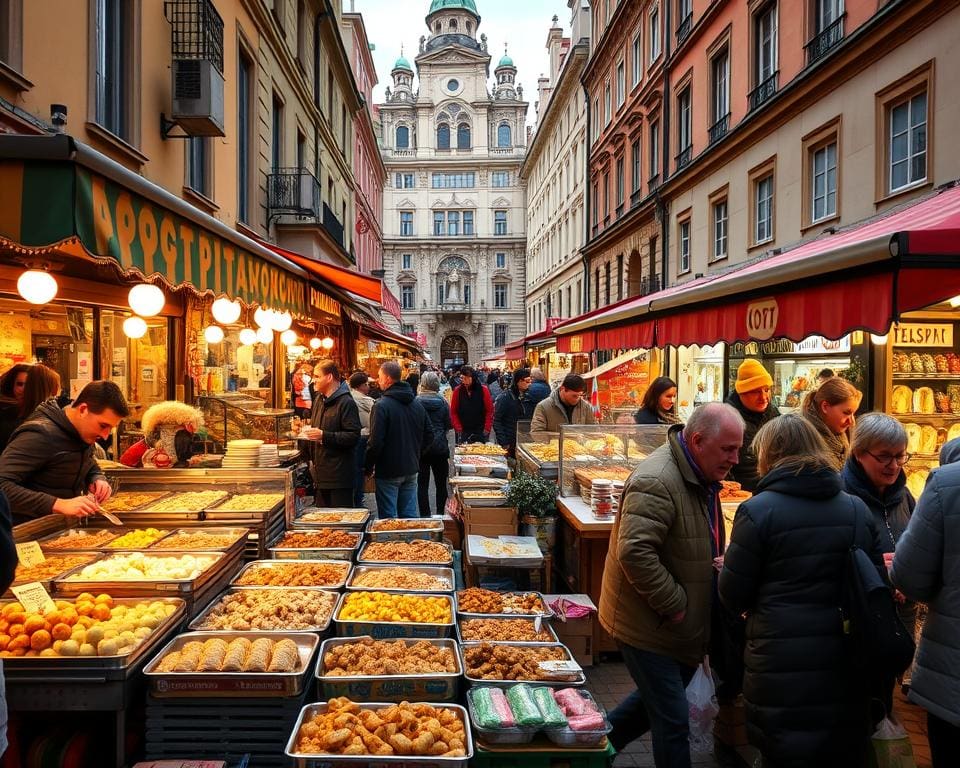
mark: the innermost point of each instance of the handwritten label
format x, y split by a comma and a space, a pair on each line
29, 553
34, 598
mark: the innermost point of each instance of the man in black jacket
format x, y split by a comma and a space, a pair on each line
512, 406
752, 400
49, 465
334, 431
400, 433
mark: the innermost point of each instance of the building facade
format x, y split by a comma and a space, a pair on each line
555, 176
454, 209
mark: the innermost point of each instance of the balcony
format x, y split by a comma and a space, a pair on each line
635, 197
825, 41
684, 29
719, 129
595, 230
619, 210
765, 91
332, 224
683, 159
653, 182
293, 192
454, 308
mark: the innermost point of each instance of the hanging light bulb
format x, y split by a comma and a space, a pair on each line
264, 335
226, 311
134, 327
248, 336
213, 334
327, 343
315, 343
289, 337
880, 341
146, 300
262, 317
37, 286
282, 321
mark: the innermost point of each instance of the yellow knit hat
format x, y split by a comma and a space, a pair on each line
752, 375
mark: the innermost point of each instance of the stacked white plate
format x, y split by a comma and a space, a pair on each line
269, 456
242, 454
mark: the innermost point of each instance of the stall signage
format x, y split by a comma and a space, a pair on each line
30, 554
818, 345
34, 598
923, 335
319, 300
762, 319
117, 223
576, 343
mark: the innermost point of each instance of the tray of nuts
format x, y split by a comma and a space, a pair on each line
405, 529
504, 664
330, 517
400, 734
328, 574
389, 670
475, 602
79, 539
401, 578
517, 631
320, 544
51, 568
418, 552
384, 615
268, 610
202, 539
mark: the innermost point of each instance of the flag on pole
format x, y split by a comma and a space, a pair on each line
595, 399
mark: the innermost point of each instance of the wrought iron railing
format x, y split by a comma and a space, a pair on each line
764, 91
719, 129
684, 29
196, 31
293, 191
825, 40
635, 198
332, 224
683, 159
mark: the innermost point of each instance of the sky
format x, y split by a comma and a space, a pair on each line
521, 24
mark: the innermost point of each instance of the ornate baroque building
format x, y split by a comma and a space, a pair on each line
454, 209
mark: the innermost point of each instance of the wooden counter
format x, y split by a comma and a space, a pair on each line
582, 543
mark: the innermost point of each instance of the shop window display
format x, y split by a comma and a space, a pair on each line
700, 378
137, 366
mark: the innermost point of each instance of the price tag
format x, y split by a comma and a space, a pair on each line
538, 624
29, 553
34, 597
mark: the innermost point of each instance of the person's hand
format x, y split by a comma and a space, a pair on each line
81, 506
676, 618
718, 564
101, 490
311, 433
899, 596
888, 560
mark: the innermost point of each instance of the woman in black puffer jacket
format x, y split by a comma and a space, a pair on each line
784, 569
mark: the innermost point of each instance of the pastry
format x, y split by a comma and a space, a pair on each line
928, 439
916, 362
923, 401
901, 399
214, 652
953, 362
236, 654
914, 434
953, 432
259, 656
903, 362
917, 481
189, 657
285, 656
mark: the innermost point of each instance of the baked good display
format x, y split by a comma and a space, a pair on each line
324, 538
417, 551
367, 657
504, 631
489, 661
334, 516
586, 475
928, 439
270, 610
415, 730
732, 491
197, 540
137, 566
53, 566
401, 578
478, 600
917, 481
395, 607
914, 433
127, 501
404, 524
137, 539
241, 654
901, 399
80, 538
251, 502
187, 501
293, 574
924, 401
480, 449
942, 363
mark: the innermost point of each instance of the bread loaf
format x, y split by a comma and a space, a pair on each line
913, 437
924, 401
928, 439
901, 399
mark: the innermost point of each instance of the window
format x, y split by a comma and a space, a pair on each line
684, 125
765, 26
11, 33
720, 219
824, 182
406, 223
406, 261
407, 329
635, 166
276, 135
464, 180
463, 136
606, 197
595, 115
826, 12
619, 276
606, 282
720, 89
504, 136
468, 222
683, 247
654, 33
441, 296
301, 30
500, 178
636, 61
620, 183
499, 222
596, 288
443, 136
607, 112
763, 209
453, 223
621, 84
500, 334
907, 142
115, 94
501, 261
438, 222
244, 129
407, 298
499, 295
198, 165
403, 137
596, 203
466, 293
330, 96
408, 181
654, 149
301, 150
453, 84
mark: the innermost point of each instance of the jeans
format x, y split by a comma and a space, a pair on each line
359, 477
659, 704
944, 741
397, 496
440, 466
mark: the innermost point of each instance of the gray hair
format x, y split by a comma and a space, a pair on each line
876, 429
430, 382
709, 418
536, 373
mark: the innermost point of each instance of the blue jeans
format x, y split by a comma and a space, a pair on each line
659, 705
397, 495
358, 476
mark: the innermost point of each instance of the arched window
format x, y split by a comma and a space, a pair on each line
437, 27
443, 136
463, 136
469, 28
403, 137
503, 135
453, 23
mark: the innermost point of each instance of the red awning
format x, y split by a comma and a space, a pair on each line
514, 350
634, 336
575, 343
390, 303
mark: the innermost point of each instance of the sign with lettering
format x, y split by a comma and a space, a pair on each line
326, 305
29, 554
34, 598
923, 335
576, 343
762, 319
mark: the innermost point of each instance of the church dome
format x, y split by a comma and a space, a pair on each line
402, 63
442, 5
506, 61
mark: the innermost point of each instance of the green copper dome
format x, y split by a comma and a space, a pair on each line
402, 63
506, 61
466, 5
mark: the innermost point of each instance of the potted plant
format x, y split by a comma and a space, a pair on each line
535, 500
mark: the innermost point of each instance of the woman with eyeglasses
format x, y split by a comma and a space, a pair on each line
874, 472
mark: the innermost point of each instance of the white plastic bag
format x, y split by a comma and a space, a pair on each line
891, 746
702, 701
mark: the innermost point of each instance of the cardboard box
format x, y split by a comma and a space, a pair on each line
581, 648
490, 515
488, 529
582, 627
453, 531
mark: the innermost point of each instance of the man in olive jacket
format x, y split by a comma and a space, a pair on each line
666, 548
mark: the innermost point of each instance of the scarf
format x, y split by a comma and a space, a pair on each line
667, 417
839, 445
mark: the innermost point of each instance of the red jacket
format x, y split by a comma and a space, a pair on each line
487, 409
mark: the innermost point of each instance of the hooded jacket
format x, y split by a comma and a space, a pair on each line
512, 406
364, 405
333, 457
45, 460
400, 433
538, 390
784, 568
551, 413
438, 410
745, 472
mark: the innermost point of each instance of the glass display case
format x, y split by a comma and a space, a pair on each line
232, 417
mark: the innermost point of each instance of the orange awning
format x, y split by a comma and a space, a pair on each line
354, 282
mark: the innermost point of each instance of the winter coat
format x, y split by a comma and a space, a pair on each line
506, 413
784, 568
439, 413
550, 413
745, 472
8, 566
470, 415
400, 433
364, 405
650, 416
660, 560
9, 420
926, 567
333, 457
538, 390
495, 390
45, 460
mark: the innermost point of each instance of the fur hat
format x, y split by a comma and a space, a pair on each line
170, 413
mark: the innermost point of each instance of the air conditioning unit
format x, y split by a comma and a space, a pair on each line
198, 97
